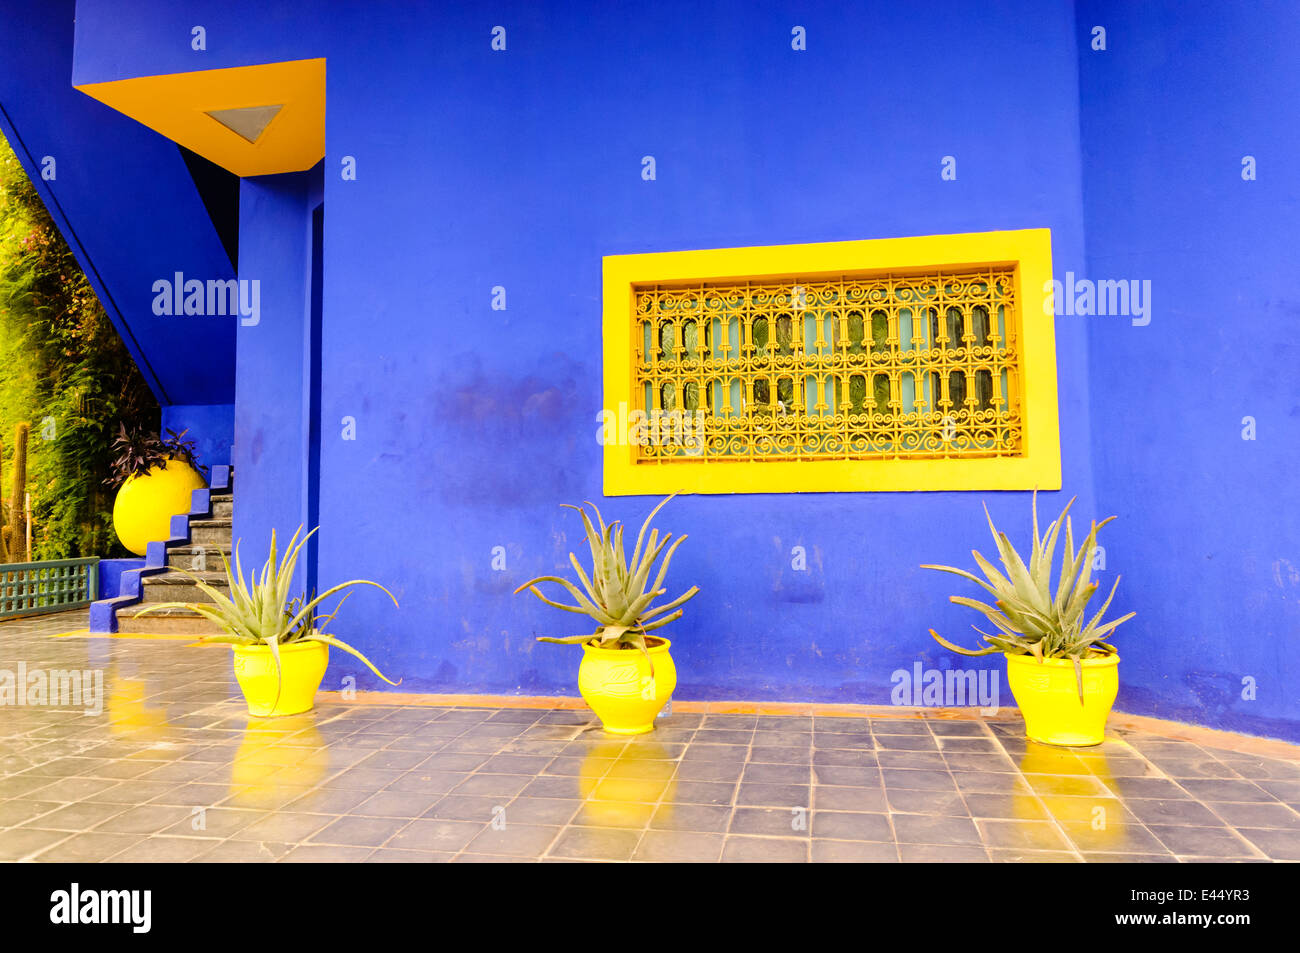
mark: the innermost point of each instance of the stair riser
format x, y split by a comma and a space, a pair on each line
161, 625
207, 560
218, 536
223, 509
171, 592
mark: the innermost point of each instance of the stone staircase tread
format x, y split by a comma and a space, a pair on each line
173, 612
212, 522
217, 578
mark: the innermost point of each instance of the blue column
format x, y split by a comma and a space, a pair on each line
276, 388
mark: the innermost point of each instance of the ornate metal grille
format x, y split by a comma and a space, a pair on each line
843, 368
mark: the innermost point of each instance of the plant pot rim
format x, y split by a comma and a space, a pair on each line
1099, 662
662, 647
284, 647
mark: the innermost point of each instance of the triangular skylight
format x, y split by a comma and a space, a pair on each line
249, 122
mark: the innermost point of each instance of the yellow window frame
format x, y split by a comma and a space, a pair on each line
1027, 251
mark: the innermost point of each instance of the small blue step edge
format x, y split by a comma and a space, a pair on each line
103, 614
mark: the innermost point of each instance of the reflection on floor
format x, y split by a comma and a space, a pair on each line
175, 770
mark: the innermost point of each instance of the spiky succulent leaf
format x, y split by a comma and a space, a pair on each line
1036, 617
618, 594
259, 611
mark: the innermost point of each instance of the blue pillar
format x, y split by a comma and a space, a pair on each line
276, 375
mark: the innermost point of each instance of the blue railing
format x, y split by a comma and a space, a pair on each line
52, 586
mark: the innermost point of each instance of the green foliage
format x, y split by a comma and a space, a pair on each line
64, 369
615, 594
5, 529
1033, 616
261, 610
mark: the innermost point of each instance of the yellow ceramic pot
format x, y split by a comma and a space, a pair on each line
145, 505
618, 685
1048, 695
292, 690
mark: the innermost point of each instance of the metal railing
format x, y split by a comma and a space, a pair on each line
51, 586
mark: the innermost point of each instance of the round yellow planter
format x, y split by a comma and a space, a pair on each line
1048, 695
145, 505
618, 686
292, 690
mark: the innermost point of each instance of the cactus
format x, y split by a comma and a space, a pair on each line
18, 538
4, 530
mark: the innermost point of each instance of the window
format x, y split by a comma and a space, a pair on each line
896, 364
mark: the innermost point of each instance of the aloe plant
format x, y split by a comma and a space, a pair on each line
1033, 616
615, 595
260, 611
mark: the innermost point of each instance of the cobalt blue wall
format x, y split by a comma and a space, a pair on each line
522, 169
210, 426
110, 575
272, 389
1208, 539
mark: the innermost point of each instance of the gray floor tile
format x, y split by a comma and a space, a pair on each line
843, 825
705, 818
853, 852
679, 847
742, 849
596, 844
359, 831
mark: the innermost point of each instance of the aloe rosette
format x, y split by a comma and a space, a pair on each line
259, 611
1034, 617
615, 594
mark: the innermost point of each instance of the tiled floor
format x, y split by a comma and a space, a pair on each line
174, 770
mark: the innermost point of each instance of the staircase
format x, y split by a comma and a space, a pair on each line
210, 539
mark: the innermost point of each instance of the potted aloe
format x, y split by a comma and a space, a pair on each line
626, 674
156, 475
1060, 668
280, 645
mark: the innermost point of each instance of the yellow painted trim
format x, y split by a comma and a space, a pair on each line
165, 636
176, 105
1029, 250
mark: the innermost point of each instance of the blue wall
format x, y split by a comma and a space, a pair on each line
273, 387
110, 575
1208, 539
210, 426
522, 169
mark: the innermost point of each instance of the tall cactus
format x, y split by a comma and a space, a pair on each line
18, 538
4, 530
